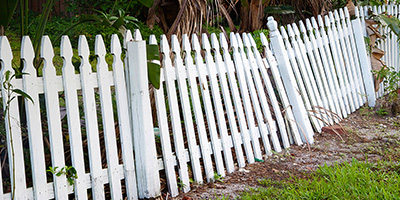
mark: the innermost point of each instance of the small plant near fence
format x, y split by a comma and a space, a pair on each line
10, 92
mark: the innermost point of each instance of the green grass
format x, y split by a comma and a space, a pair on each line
355, 180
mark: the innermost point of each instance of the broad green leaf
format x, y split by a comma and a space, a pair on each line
23, 94
153, 71
147, 3
118, 23
279, 10
152, 52
7, 9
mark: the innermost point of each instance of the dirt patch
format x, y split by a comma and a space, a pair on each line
369, 134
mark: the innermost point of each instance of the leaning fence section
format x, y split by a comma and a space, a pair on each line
222, 104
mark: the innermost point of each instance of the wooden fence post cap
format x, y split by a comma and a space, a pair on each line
272, 24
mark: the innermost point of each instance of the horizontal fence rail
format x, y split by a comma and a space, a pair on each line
222, 104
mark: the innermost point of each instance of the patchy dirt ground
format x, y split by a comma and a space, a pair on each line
371, 134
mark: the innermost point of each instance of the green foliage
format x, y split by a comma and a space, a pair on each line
282, 9
256, 36
7, 10
382, 112
355, 180
391, 78
218, 178
68, 171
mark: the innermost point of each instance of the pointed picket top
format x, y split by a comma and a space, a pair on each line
99, 47
379, 10
5, 53
290, 31
46, 52
358, 12
137, 35
251, 39
303, 29
239, 41
224, 42
296, 29
214, 42
321, 21
309, 25
83, 48
284, 34
196, 47
347, 14
315, 25
327, 21
164, 46
246, 41
337, 17
115, 46
27, 54
66, 50
152, 39
205, 43
374, 9
341, 14
127, 38
234, 43
264, 40
175, 46
331, 18
186, 44
46, 49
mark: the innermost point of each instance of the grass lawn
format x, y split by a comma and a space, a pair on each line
355, 180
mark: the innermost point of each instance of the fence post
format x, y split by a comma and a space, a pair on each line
299, 110
364, 60
148, 180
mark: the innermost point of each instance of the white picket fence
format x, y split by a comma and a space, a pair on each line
219, 107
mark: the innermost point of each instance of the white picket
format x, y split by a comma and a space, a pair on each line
288, 78
216, 96
313, 75
125, 133
53, 117
30, 87
107, 118
261, 130
365, 64
222, 75
328, 68
215, 141
300, 82
198, 113
263, 66
289, 115
347, 63
229, 68
316, 52
148, 177
12, 125
92, 130
246, 101
353, 47
165, 137
73, 118
334, 53
302, 64
180, 72
270, 123
175, 115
